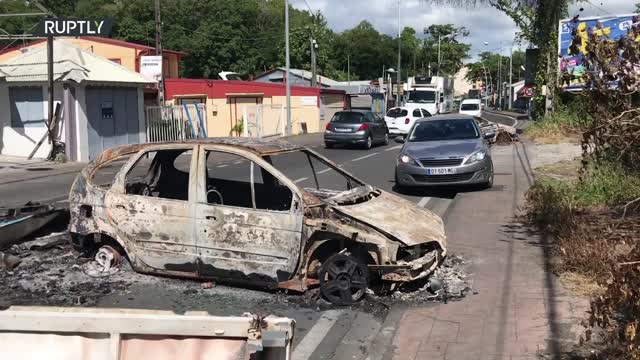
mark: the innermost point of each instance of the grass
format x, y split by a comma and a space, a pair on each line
582, 213
557, 127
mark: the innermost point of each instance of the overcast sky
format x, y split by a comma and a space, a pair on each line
484, 23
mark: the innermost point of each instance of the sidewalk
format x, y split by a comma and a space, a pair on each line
520, 310
15, 169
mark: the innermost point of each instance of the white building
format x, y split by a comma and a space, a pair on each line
101, 102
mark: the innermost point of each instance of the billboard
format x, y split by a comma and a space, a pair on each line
572, 51
151, 67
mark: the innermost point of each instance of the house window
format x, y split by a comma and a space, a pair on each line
27, 107
116, 60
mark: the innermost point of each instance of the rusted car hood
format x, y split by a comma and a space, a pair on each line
399, 218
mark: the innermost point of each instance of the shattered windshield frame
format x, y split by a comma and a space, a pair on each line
312, 159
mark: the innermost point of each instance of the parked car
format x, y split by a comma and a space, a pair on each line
471, 107
445, 150
363, 128
400, 119
227, 209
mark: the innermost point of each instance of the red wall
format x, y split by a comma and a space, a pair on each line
218, 89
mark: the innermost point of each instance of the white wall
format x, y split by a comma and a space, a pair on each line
21, 141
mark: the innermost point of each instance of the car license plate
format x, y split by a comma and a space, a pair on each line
440, 171
342, 130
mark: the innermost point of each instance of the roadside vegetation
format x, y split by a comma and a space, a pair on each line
561, 126
591, 208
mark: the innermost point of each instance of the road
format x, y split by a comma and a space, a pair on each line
477, 224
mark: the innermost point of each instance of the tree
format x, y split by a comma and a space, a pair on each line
368, 50
638, 8
452, 52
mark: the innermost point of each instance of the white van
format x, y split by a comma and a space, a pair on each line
471, 107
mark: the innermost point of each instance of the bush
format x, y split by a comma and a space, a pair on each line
562, 125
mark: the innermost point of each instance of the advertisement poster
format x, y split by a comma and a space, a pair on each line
151, 67
572, 51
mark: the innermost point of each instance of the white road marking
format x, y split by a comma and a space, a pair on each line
300, 180
364, 157
221, 166
62, 201
314, 337
324, 171
394, 148
423, 202
238, 162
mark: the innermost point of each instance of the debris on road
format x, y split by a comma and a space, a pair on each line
207, 285
506, 135
8, 262
449, 281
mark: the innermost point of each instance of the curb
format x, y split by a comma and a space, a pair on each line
39, 177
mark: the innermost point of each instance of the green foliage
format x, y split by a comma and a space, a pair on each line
490, 62
452, 52
247, 36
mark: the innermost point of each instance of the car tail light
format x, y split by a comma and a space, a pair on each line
328, 127
363, 127
407, 121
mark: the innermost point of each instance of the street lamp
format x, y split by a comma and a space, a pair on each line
287, 66
440, 37
389, 72
490, 78
399, 56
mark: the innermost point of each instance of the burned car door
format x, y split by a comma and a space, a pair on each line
249, 223
151, 209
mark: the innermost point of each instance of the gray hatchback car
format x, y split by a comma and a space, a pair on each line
445, 150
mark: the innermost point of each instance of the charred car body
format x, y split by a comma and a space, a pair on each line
228, 209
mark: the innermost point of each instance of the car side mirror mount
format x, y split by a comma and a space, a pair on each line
399, 139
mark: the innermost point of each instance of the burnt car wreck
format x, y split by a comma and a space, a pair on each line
236, 210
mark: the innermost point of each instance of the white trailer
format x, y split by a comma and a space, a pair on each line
55, 333
433, 93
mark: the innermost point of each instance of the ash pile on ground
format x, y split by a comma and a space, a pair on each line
451, 281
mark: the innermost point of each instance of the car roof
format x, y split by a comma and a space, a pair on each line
471, 101
359, 111
447, 117
257, 146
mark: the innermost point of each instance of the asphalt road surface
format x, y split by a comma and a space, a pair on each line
323, 332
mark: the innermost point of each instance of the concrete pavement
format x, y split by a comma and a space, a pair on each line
520, 310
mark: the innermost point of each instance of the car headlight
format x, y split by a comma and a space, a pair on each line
406, 159
476, 157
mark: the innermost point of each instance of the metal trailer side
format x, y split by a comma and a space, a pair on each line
57, 333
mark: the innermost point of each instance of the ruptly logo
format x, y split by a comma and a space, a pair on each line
74, 27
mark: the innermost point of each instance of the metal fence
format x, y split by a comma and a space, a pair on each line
170, 123
263, 120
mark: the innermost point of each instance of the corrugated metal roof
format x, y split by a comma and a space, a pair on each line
309, 75
70, 64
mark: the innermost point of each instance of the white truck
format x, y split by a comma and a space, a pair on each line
433, 93
54, 333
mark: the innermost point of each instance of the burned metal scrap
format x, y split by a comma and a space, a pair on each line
169, 213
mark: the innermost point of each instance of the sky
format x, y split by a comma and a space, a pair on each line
485, 24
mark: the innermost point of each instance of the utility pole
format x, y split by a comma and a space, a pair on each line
399, 58
511, 78
349, 69
287, 66
159, 52
500, 81
439, 60
49, 78
314, 74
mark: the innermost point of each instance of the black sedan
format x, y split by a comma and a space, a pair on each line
363, 128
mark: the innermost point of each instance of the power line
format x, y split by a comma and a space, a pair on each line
308, 7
